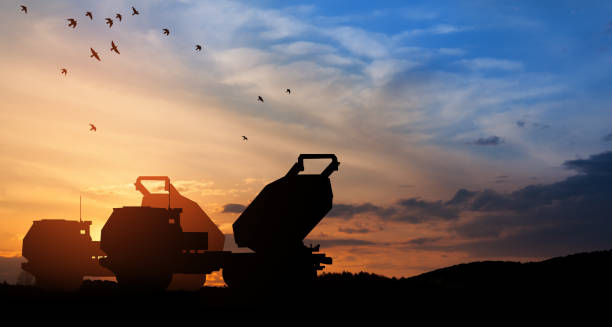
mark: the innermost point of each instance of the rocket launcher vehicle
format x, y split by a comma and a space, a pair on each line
169, 241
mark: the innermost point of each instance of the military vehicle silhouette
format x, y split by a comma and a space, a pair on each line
192, 219
144, 246
60, 253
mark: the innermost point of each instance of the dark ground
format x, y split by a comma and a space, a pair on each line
564, 283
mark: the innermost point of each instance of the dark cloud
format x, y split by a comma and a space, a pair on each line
414, 210
596, 164
233, 208
348, 211
461, 196
350, 230
421, 241
524, 124
491, 140
607, 138
334, 242
537, 220
410, 210
546, 220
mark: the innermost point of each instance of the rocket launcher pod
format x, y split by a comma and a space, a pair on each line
286, 210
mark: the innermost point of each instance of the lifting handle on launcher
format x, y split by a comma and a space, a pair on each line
144, 190
299, 166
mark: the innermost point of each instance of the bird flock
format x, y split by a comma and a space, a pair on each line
72, 22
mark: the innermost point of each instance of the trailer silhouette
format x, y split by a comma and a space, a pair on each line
144, 246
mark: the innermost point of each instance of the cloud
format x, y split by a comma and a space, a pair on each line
414, 210
534, 221
599, 164
524, 124
410, 210
491, 140
421, 241
543, 220
350, 230
359, 42
501, 179
233, 208
607, 138
335, 242
348, 211
444, 29
433, 30
461, 197
301, 48
491, 64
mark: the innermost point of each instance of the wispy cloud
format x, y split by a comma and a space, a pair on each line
486, 141
350, 230
491, 64
233, 208
359, 42
439, 29
335, 242
301, 48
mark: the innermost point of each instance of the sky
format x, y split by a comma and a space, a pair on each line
472, 130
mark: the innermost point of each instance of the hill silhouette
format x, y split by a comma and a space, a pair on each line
570, 280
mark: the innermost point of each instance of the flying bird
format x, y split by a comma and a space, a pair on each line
244, 138
198, 47
72, 23
24, 9
288, 91
92, 127
109, 22
114, 47
89, 14
166, 31
118, 16
135, 12
64, 71
259, 98
94, 54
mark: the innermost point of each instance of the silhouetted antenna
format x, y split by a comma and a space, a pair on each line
80, 211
